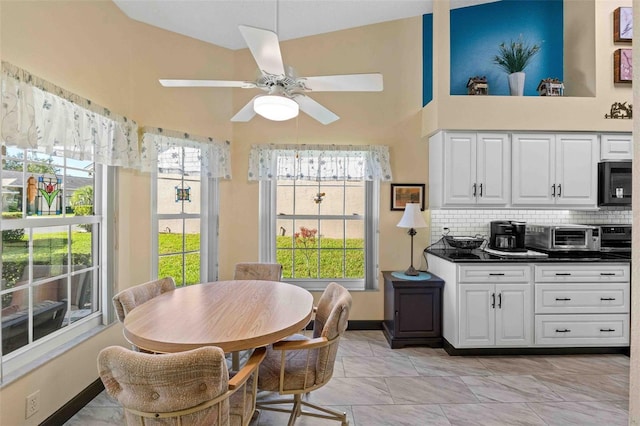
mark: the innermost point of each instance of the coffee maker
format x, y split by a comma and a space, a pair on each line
507, 235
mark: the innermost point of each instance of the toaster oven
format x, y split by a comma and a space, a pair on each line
563, 237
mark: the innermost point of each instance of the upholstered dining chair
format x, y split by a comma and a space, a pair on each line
258, 271
299, 365
183, 388
134, 296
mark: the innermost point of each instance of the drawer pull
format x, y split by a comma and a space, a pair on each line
608, 330
564, 330
607, 274
563, 298
563, 274
607, 298
496, 274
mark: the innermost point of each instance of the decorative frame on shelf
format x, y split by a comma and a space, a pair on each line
403, 193
623, 66
623, 25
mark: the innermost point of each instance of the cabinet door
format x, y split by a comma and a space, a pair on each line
533, 169
493, 175
460, 169
477, 317
576, 170
418, 312
514, 315
616, 146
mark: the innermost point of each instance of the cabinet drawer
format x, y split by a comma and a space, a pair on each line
616, 146
617, 272
494, 274
565, 330
582, 298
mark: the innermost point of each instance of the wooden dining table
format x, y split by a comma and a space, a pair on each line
234, 315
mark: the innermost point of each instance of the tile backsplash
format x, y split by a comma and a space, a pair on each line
470, 222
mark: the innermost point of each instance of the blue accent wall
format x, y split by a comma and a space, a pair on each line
427, 58
477, 31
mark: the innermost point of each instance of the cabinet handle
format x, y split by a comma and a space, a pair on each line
499, 300
474, 189
397, 314
553, 194
559, 190
607, 274
607, 298
564, 330
563, 298
496, 274
562, 274
493, 300
481, 190
607, 330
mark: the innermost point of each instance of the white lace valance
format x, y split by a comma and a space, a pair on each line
320, 162
38, 115
173, 151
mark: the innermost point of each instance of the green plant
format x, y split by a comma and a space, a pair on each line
82, 203
516, 55
11, 235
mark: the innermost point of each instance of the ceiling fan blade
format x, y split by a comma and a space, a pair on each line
207, 83
246, 113
265, 49
315, 110
346, 82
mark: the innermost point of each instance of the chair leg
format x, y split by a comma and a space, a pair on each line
296, 410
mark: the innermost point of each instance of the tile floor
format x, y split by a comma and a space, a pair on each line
378, 386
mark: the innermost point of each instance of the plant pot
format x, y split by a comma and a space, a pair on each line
516, 83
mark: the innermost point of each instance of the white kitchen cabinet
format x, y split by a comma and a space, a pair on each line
469, 169
555, 170
498, 313
616, 146
582, 304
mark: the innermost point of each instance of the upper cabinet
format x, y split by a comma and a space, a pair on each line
515, 170
555, 170
616, 146
468, 169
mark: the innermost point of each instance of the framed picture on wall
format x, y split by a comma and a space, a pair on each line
403, 193
623, 24
623, 66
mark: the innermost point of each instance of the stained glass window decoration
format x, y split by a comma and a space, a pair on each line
48, 195
183, 194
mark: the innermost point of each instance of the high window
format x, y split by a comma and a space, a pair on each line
319, 211
185, 177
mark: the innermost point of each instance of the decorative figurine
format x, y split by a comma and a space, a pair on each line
477, 86
620, 110
550, 87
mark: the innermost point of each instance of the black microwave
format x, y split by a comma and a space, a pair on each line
614, 183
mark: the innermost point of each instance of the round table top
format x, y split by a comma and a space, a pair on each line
233, 315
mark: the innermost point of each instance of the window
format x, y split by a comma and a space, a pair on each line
52, 263
319, 209
185, 179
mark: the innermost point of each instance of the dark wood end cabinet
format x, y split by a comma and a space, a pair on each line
412, 311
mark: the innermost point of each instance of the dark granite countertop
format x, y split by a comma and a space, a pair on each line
480, 256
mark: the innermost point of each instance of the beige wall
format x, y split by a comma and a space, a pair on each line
92, 49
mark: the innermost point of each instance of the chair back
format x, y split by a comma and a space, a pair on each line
258, 271
331, 320
131, 297
179, 388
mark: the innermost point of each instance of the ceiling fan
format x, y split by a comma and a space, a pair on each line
285, 91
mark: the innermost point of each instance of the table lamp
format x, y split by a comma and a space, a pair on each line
412, 219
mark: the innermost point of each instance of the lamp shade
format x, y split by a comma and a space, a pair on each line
275, 107
412, 217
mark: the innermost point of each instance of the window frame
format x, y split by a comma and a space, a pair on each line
29, 356
209, 225
268, 217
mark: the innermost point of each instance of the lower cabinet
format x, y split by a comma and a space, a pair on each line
495, 314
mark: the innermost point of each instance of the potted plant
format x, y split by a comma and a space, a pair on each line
513, 57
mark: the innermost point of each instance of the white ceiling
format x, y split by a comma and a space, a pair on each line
216, 21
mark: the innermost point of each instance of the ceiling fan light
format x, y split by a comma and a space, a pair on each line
276, 108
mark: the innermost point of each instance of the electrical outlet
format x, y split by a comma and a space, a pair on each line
33, 404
